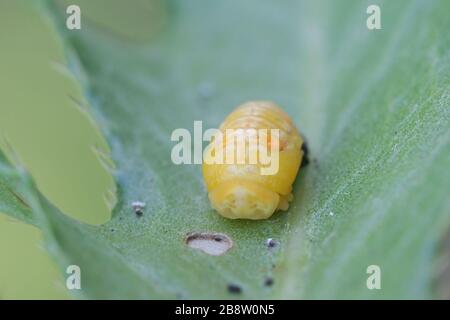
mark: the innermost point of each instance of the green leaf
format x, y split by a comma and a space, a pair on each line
12, 189
373, 106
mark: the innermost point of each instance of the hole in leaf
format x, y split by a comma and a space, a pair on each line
214, 244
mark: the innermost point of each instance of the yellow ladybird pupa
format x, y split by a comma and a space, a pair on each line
239, 190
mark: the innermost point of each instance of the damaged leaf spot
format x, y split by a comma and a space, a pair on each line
214, 244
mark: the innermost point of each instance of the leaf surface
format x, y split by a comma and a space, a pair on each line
372, 105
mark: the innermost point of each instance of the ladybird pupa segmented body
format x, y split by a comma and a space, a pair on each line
240, 191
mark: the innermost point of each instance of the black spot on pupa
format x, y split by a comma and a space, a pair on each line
233, 288
305, 160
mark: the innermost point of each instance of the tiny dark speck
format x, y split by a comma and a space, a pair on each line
139, 213
233, 288
268, 282
112, 230
271, 243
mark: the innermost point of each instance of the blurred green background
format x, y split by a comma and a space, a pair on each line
52, 138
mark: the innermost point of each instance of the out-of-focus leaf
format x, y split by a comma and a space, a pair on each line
11, 189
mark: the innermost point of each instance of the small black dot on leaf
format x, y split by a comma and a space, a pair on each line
268, 282
271, 243
235, 289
